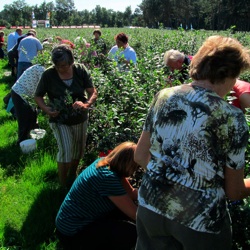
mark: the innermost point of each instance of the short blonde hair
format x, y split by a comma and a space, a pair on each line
173, 55
219, 58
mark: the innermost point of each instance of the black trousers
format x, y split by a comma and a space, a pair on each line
112, 232
26, 116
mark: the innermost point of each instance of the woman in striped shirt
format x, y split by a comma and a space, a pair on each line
99, 210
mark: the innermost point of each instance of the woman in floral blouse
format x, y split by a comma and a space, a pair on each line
193, 146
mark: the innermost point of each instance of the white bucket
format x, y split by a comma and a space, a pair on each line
37, 133
28, 146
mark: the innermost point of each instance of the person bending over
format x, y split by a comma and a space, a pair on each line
99, 210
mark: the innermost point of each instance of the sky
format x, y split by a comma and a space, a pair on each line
116, 5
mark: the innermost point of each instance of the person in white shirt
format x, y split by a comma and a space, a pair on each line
122, 53
21, 91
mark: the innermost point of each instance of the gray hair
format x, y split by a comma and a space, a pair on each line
173, 55
62, 53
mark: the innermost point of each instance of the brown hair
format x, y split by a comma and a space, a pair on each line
122, 37
219, 58
97, 31
19, 29
121, 159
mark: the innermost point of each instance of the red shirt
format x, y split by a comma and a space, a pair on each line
240, 88
1, 41
72, 45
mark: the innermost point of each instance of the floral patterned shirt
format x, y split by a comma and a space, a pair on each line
194, 134
26, 85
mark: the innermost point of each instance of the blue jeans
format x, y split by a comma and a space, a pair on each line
21, 67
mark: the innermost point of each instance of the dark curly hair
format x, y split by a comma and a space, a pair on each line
97, 31
122, 37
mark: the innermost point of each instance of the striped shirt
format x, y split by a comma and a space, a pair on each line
88, 199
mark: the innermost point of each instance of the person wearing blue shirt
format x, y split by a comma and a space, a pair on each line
122, 53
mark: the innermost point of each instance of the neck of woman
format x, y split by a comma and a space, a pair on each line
203, 84
219, 89
68, 74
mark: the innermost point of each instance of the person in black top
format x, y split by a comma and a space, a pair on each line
101, 47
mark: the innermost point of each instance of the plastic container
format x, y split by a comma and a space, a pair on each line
37, 133
28, 146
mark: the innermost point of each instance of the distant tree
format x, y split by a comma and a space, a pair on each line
42, 10
106, 21
202, 14
119, 19
127, 16
4, 23
137, 18
13, 12
87, 17
63, 10
151, 12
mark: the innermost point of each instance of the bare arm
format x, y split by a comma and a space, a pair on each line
142, 154
132, 192
236, 187
92, 96
244, 101
40, 102
125, 204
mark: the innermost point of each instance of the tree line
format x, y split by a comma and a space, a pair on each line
202, 14
188, 14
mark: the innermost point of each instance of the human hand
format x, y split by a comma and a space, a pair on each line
51, 113
81, 105
122, 60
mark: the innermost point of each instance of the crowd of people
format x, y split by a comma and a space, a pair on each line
192, 146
